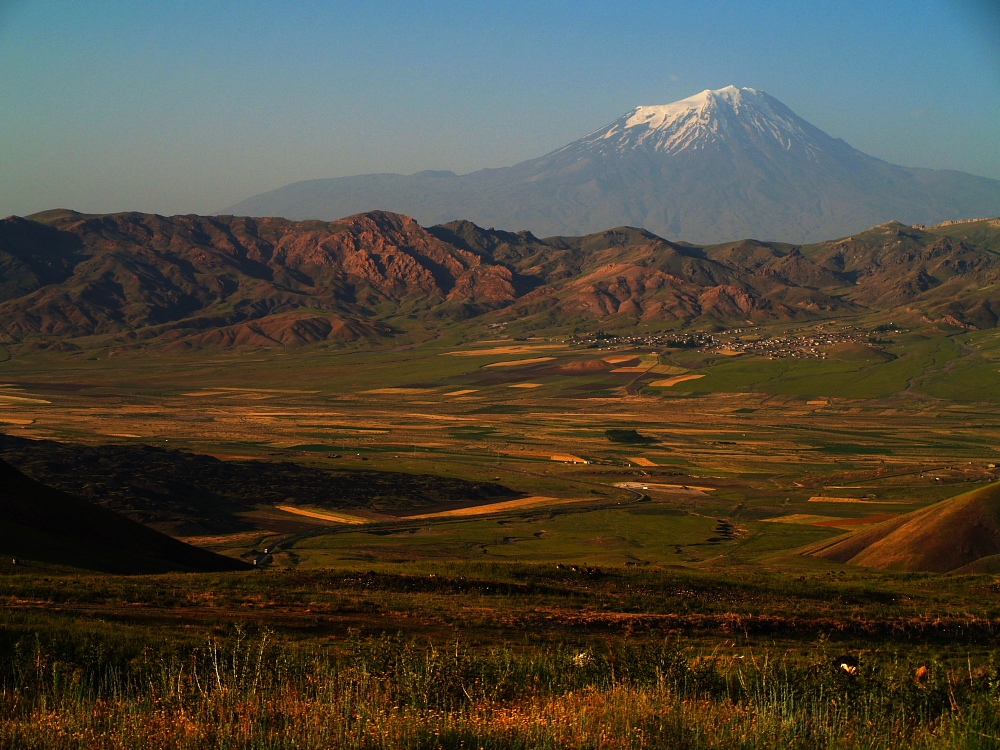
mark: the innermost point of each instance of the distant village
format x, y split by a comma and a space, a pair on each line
801, 344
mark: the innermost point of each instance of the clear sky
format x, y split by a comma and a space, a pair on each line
190, 106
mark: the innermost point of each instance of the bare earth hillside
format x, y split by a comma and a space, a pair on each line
72, 280
942, 538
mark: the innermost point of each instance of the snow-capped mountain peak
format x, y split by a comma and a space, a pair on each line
719, 165
656, 117
711, 117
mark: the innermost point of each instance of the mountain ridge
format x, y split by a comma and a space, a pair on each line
189, 282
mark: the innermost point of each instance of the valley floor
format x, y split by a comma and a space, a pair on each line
534, 544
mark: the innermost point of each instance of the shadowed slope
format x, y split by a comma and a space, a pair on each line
945, 537
187, 494
43, 524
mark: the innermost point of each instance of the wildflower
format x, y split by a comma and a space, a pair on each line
847, 664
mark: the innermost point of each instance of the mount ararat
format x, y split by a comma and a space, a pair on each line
718, 166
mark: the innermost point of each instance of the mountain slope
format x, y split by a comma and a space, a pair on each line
894, 265
42, 524
248, 282
944, 537
78, 281
717, 166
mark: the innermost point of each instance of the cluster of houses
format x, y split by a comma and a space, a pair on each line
801, 344
686, 340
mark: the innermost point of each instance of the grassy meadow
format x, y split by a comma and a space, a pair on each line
500, 655
645, 593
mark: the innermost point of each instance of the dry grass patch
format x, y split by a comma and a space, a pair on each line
216, 540
641, 461
585, 367
864, 521
668, 382
525, 385
518, 362
663, 487
618, 359
941, 538
859, 500
513, 349
401, 391
648, 363
803, 518
479, 510
323, 515
568, 457
7, 398
669, 370
461, 393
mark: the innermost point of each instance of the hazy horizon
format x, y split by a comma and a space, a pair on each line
191, 108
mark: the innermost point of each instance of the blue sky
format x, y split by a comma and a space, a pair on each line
192, 106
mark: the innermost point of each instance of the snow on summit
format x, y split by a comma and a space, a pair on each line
712, 116
657, 117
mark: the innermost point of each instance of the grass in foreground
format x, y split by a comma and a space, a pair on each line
391, 693
498, 656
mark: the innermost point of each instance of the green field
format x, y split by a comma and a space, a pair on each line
843, 379
641, 536
644, 594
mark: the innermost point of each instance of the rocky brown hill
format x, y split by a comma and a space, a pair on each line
75, 280
211, 281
